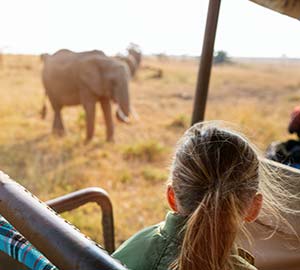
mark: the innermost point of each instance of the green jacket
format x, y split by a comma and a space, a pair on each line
156, 247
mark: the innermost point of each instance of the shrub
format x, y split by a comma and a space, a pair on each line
181, 121
125, 177
221, 57
149, 151
152, 174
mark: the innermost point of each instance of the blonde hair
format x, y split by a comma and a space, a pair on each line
215, 175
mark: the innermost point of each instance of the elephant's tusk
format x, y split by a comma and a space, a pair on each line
121, 116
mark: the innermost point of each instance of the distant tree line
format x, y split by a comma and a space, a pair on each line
221, 57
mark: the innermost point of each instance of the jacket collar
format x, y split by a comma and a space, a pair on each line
173, 227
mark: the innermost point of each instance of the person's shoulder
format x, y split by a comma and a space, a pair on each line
140, 236
132, 251
139, 251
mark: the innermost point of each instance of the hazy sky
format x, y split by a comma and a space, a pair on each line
170, 26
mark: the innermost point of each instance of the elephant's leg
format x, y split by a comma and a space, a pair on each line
90, 109
88, 100
58, 127
106, 108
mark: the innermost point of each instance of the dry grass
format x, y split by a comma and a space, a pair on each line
154, 175
181, 121
147, 150
256, 96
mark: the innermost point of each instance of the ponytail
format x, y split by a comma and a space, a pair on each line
209, 235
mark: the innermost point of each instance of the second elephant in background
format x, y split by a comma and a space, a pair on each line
85, 78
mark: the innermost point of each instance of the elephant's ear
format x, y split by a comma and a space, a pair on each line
92, 77
44, 57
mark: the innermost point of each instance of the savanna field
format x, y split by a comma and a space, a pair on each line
258, 96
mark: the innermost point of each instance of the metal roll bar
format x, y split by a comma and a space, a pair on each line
93, 194
63, 245
206, 61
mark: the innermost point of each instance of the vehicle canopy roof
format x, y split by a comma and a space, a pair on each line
287, 7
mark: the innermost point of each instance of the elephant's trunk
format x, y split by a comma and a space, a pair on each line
125, 106
123, 110
123, 101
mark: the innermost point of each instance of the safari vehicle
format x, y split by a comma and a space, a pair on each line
66, 248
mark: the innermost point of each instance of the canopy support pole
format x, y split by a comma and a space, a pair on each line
206, 61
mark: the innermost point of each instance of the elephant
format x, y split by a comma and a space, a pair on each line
135, 51
130, 61
84, 78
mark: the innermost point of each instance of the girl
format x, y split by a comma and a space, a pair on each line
213, 189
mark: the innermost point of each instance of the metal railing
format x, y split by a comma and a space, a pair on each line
63, 245
93, 194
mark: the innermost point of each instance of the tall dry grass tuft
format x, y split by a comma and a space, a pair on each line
150, 150
180, 121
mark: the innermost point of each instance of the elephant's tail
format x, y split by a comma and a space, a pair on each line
43, 111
